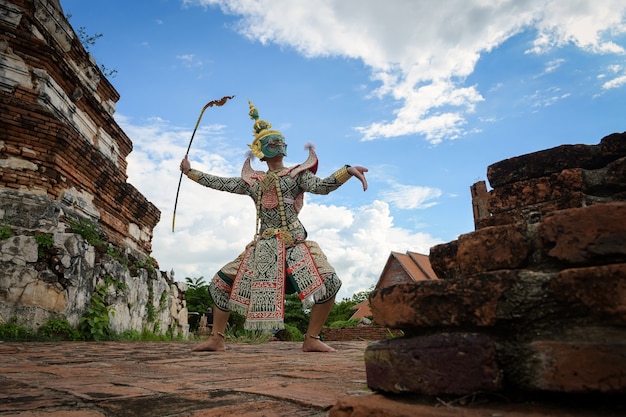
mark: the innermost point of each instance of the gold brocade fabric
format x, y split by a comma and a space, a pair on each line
343, 175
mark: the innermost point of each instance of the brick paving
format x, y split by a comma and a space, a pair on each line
162, 379
116, 379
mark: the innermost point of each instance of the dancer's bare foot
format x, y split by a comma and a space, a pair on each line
215, 343
314, 344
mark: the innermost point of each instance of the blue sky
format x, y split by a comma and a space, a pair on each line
425, 97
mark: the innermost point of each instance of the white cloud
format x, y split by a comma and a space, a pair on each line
360, 249
213, 227
618, 81
420, 53
410, 197
553, 65
617, 74
615, 83
189, 60
583, 23
547, 98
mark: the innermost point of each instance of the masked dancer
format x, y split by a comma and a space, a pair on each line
280, 260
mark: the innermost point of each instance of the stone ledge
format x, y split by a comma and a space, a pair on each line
377, 405
369, 332
446, 363
448, 302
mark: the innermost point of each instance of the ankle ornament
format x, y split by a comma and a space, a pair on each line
314, 337
219, 334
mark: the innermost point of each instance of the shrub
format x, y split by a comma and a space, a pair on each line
344, 323
247, 336
94, 325
197, 296
45, 242
87, 229
58, 330
12, 331
5, 232
290, 334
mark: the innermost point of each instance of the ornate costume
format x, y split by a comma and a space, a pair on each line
280, 259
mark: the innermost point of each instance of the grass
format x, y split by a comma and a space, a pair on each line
56, 330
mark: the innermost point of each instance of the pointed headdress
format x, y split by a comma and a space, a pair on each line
262, 132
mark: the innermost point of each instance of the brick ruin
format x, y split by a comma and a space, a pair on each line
533, 302
59, 137
63, 160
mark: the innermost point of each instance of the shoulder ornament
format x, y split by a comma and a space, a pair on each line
310, 164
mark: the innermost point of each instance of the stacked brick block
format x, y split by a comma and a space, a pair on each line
534, 300
365, 332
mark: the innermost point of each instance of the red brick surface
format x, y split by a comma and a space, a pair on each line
586, 235
164, 379
439, 364
367, 333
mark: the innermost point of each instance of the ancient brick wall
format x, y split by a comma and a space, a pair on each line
58, 137
63, 162
532, 301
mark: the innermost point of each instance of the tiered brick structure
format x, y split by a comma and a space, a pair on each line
534, 300
58, 138
63, 163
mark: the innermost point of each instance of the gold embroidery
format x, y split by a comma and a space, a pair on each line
271, 180
193, 174
281, 234
342, 175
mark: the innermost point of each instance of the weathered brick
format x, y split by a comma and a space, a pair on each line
554, 160
602, 289
67, 160
615, 177
447, 363
594, 234
578, 366
558, 186
493, 248
365, 332
614, 145
534, 213
443, 260
471, 301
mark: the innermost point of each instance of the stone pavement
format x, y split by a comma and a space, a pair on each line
115, 379
160, 379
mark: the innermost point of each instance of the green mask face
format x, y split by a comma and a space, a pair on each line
272, 145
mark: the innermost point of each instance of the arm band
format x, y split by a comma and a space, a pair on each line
193, 174
343, 175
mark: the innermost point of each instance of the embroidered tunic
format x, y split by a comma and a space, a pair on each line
280, 259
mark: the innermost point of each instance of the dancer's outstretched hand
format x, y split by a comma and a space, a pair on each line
359, 172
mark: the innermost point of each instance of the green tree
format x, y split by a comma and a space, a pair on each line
197, 295
361, 296
343, 310
295, 314
198, 300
